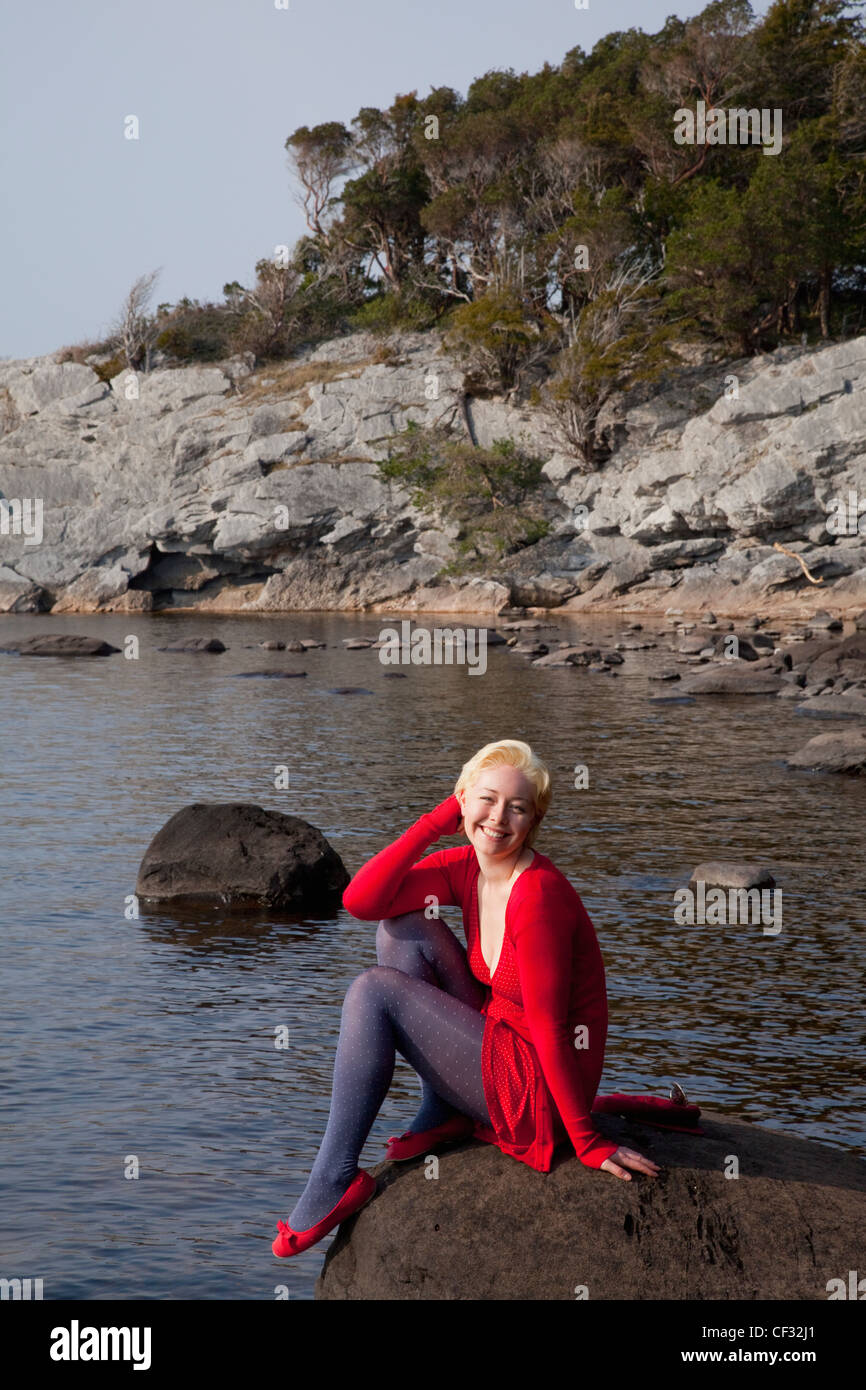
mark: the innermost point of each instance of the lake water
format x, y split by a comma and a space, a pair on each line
153, 1037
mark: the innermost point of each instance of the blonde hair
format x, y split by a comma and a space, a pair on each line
510, 752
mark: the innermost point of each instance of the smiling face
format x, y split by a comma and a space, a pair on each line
498, 812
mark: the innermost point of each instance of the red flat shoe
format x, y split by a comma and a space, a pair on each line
410, 1144
288, 1242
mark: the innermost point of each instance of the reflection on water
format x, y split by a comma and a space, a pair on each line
154, 1037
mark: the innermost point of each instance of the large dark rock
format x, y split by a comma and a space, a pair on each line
489, 1227
59, 644
233, 852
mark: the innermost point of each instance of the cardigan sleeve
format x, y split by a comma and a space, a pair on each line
388, 884
544, 962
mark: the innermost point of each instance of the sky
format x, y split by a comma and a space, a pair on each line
216, 87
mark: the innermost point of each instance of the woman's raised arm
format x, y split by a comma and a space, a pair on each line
388, 885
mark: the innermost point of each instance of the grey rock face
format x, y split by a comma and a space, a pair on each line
225, 489
241, 854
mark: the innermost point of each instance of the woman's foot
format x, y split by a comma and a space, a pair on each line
319, 1197
410, 1144
291, 1241
434, 1112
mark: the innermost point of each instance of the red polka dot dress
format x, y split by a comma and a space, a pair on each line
546, 1009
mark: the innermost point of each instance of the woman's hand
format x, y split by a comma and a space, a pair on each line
447, 816
629, 1158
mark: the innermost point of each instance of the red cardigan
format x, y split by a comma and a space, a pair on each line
548, 981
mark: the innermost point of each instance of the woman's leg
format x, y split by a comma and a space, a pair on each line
427, 949
386, 1011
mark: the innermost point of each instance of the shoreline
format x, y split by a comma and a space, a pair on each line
625, 606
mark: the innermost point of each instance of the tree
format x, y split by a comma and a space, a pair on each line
320, 157
708, 62
619, 338
270, 312
715, 268
382, 206
496, 342
136, 329
797, 48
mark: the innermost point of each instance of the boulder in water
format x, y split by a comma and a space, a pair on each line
723, 873
61, 644
735, 679
237, 853
195, 644
843, 751
489, 1227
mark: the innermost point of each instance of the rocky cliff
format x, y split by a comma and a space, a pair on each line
225, 488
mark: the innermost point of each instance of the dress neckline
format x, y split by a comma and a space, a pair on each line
477, 906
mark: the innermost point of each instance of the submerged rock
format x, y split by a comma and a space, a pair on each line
59, 644
237, 853
195, 644
724, 873
490, 1227
269, 675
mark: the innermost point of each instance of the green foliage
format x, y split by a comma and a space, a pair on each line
621, 338
194, 332
486, 211
492, 494
387, 313
495, 340
106, 370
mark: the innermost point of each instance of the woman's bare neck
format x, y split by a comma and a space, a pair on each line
503, 880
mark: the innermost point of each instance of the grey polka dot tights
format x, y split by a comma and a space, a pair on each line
422, 1001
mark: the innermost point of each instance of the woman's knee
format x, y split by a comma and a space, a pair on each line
372, 983
408, 924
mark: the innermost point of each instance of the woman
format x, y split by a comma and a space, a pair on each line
507, 1035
